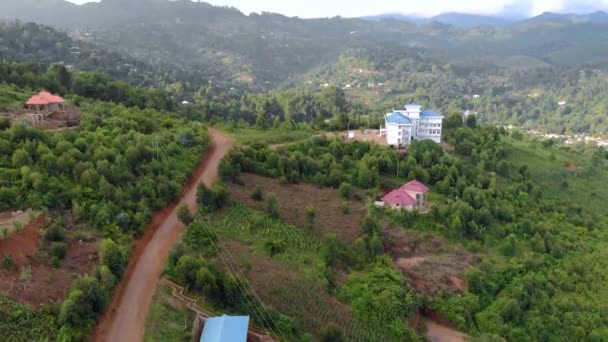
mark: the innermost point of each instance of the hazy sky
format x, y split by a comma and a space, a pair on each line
355, 8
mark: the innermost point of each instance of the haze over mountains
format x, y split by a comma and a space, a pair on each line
269, 49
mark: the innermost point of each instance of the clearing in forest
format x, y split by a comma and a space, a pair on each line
330, 214
32, 270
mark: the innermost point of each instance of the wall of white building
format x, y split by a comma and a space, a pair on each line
398, 134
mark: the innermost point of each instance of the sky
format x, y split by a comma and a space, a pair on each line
357, 8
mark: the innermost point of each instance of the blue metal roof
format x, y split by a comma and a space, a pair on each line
226, 329
429, 113
398, 118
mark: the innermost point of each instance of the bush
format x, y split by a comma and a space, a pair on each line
56, 232
274, 247
184, 214
345, 190
5, 232
8, 263
272, 206
283, 180
220, 195
344, 208
331, 333
58, 250
310, 215
18, 226
257, 194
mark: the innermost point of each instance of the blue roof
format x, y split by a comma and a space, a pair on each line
226, 329
429, 113
398, 118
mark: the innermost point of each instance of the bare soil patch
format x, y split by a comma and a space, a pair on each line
33, 280
572, 167
293, 200
430, 263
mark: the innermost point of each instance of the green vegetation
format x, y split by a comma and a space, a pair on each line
489, 198
168, 320
22, 323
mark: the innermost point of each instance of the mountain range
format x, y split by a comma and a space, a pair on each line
466, 20
266, 50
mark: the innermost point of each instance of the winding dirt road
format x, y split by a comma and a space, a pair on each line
125, 318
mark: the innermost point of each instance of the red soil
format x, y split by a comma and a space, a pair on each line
572, 167
45, 284
125, 318
21, 245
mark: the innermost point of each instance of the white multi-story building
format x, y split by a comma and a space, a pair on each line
412, 123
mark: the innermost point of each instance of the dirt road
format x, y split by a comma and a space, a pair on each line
125, 318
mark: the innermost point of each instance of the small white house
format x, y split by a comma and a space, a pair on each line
412, 123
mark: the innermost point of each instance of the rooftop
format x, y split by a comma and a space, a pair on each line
44, 98
225, 329
429, 113
399, 197
398, 118
415, 186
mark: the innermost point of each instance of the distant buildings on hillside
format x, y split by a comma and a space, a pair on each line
412, 123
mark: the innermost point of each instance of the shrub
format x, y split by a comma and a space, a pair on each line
331, 333
310, 215
283, 180
58, 250
257, 194
184, 214
272, 206
18, 226
345, 190
56, 232
274, 247
344, 208
358, 197
5, 232
8, 263
220, 195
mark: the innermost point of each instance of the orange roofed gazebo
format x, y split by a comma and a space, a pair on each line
46, 103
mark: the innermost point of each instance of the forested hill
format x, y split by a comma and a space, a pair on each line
265, 50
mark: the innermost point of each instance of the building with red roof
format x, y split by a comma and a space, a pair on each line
46, 103
410, 196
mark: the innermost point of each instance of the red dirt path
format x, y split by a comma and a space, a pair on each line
125, 318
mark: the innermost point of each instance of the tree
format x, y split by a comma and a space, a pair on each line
452, 122
184, 214
112, 256
471, 121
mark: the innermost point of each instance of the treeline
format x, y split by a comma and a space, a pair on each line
93, 85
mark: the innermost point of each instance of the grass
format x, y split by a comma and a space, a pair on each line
248, 136
168, 320
586, 190
257, 230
